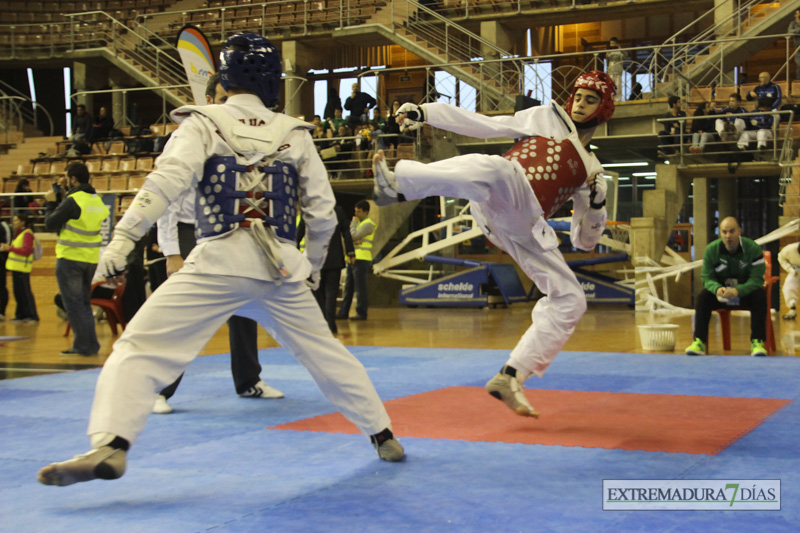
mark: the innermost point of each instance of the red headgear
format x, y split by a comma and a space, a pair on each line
601, 83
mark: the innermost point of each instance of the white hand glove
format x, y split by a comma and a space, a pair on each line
114, 260
415, 116
598, 191
313, 281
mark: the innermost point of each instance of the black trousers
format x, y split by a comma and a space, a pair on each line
3, 286
756, 302
326, 294
26, 305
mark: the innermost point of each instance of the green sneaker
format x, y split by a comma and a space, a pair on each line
696, 348
757, 348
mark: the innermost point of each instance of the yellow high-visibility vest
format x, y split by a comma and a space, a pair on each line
80, 239
364, 250
17, 262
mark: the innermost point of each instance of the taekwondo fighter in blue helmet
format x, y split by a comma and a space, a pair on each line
253, 170
511, 198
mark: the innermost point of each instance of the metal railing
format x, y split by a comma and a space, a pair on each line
780, 152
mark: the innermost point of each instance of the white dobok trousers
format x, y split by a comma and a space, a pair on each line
180, 317
506, 209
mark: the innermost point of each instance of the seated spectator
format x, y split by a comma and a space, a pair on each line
636, 92
333, 123
759, 127
733, 274
702, 128
102, 127
378, 119
345, 148
731, 127
769, 90
22, 204
318, 134
670, 136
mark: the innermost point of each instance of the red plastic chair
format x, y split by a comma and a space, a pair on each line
112, 308
725, 313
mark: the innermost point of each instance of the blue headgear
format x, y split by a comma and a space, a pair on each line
250, 61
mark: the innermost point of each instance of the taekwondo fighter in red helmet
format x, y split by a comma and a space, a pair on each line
512, 196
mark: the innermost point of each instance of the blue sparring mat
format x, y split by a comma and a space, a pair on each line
213, 465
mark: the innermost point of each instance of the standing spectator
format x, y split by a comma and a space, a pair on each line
20, 263
794, 29
82, 125
731, 127
702, 128
78, 220
767, 89
331, 272
759, 127
670, 136
333, 103
359, 103
733, 274
362, 229
789, 259
616, 62
22, 203
6, 236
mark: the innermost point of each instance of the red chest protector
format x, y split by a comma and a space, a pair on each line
554, 169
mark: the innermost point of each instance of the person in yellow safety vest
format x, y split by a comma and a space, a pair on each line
363, 231
20, 263
78, 220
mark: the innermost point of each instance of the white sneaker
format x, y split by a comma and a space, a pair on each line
101, 463
262, 390
791, 315
161, 407
508, 390
385, 191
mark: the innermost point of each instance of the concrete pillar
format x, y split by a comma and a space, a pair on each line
727, 196
81, 82
703, 224
642, 239
298, 96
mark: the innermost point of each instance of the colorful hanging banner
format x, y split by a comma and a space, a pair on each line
197, 59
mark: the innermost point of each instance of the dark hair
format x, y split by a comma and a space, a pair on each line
78, 171
22, 183
81, 106
363, 205
25, 219
673, 100
736, 95
211, 85
613, 39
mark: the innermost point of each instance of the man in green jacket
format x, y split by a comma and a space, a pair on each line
733, 274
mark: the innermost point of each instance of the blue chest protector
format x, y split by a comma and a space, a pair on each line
230, 193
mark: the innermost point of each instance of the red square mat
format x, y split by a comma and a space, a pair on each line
624, 421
